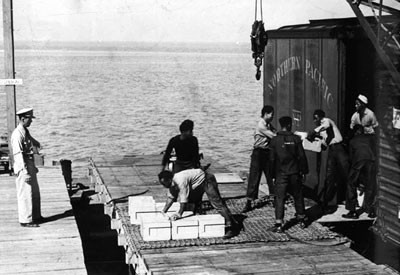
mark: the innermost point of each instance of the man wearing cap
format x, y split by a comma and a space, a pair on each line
364, 116
23, 148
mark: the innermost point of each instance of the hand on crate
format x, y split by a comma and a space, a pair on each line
175, 216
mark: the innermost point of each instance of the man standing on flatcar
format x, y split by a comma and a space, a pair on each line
337, 166
28, 193
362, 172
289, 168
366, 118
259, 162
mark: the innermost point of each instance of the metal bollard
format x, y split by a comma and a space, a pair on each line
67, 172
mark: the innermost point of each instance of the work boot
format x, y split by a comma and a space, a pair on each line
278, 228
247, 207
231, 230
302, 224
229, 234
302, 221
329, 209
351, 215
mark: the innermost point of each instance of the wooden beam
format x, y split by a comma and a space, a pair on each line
9, 68
372, 37
382, 7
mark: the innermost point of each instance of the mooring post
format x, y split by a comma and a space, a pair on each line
9, 69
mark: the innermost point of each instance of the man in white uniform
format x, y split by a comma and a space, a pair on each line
23, 148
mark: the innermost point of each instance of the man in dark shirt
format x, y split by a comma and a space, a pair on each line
289, 169
186, 149
362, 171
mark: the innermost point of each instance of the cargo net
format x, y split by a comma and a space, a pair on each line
256, 227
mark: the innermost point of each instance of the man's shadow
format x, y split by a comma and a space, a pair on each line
70, 212
67, 213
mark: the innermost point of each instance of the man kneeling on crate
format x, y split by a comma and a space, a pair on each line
188, 186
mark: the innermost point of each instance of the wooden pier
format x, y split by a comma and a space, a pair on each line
256, 250
55, 247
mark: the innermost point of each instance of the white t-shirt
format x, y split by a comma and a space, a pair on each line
184, 182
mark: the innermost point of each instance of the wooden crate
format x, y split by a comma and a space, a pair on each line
155, 227
143, 211
186, 227
174, 207
140, 206
137, 201
210, 226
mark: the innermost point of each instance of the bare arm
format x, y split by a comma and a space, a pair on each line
168, 204
262, 128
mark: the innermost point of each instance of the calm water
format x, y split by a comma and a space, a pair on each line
92, 101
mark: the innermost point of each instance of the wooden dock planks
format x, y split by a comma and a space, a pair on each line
242, 258
53, 248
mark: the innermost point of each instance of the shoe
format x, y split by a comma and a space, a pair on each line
302, 224
277, 228
229, 234
351, 215
247, 207
330, 210
31, 224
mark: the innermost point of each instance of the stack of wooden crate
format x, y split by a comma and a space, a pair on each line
157, 226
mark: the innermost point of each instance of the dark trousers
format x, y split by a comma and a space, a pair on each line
293, 185
337, 169
363, 173
259, 163
216, 201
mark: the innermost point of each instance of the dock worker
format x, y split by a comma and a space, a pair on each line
28, 193
188, 186
366, 118
362, 173
259, 161
337, 165
290, 168
186, 148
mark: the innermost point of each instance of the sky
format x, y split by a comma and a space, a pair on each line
161, 20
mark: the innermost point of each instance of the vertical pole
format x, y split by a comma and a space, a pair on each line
9, 68
379, 21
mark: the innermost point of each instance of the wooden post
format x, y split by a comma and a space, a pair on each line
9, 68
